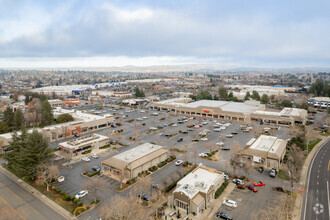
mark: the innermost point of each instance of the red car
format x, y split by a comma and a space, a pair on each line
200, 126
190, 126
259, 183
252, 188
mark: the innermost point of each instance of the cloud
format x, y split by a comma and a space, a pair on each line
80, 29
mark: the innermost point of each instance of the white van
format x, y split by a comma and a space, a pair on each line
230, 203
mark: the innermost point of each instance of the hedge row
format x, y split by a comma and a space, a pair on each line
94, 173
220, 190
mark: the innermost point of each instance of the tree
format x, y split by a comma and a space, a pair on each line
285, 103
94, 186
320, 88
46, 113
46, 174
139, 93
264, 99
28, 151
64, 118
255, 95
8, 116
4, 127
204, 95
247, 96
235, 158
223, 94
18, 119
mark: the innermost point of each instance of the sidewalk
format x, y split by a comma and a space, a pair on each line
39, 195
303, 177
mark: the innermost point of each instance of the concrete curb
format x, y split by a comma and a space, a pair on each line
303, 176
39, 195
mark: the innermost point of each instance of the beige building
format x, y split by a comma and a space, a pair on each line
267, 151
196, 190
236, 111
132, 162
85, 143
55, 103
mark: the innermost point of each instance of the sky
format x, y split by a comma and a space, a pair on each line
99, 33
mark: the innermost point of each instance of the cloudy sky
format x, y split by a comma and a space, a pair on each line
79, 33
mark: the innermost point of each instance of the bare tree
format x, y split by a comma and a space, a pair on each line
235, 157
95, 185
46, 173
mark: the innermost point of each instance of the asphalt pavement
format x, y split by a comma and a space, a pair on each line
317, 204
27, 205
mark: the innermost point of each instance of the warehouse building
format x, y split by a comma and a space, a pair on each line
247, 111
196, 190
130, 163
267, 151
82, 144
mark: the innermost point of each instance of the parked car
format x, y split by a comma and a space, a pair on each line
204, 154
224, 215
229, 135
238, 181
81, 194
204, 139
230, 203
225, 148
178, 162
77, 135
96, 168
144, 197
252, 188
95, 156
195, 140
139, 119
190, 129
217, 129
184, 132
86, 159
60, 179
174, 125
190, 126
273, 173
57, 158
259, 183
180, 139
260, 169
220, 144
165, 125
234, 133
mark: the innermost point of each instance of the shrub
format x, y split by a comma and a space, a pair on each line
119, 188
131, 181
76, 200
87, 152
153, 168
161, 164
105, 146
79, 203
57, 189
94, 173
220, 190
185, 164
143, 124
72, 198
66, 198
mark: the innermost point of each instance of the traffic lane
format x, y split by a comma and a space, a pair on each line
318, 189
31, 207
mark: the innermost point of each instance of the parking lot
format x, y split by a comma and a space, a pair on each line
140, 130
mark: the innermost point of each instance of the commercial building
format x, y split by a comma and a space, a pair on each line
196, 190
83, 123
85, 143
267, 151
247, 111
55, 103
260, 88
323, 102
130, 163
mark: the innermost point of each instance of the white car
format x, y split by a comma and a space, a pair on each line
152, 128
203, 154
204, 139
229, 135
204, 123
230, 203
142, 111
60, 179
178, 162
174, 125
95, 156
86, 159
144, 117
196, 126
217, 129
220, 144
139, 119
81, 194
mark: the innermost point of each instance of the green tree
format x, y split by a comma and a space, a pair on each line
204, 95
223, 94
320, 88
264, 99
46, 113
18, 119
4, 127
64, 118
138, 92
255, 95
28, 151
286, 103
247, 96
8, 116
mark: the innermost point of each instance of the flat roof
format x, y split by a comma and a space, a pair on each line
324, 99
264, 143
137, 152
199, 180
82, 141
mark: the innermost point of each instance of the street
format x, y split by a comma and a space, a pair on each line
316, 203
24, 202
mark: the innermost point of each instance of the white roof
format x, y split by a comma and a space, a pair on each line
267, 143
322, 99
292, 111
137, 152
199, 180
86, 140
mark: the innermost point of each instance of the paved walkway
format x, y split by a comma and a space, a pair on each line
303, 177
39, 195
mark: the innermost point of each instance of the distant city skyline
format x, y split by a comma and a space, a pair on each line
67, 34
